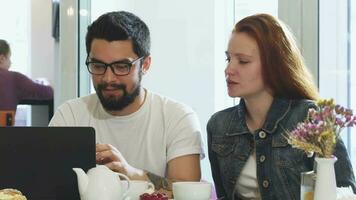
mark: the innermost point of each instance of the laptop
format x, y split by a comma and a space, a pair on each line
38, 161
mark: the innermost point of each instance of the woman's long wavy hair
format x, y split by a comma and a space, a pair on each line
283, 68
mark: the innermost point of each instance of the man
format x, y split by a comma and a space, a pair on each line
141, 134
15, 86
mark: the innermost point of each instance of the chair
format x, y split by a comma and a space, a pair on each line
7, 117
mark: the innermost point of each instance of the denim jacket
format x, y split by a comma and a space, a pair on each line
230, 144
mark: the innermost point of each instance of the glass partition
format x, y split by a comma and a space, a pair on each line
337, 70
83, 22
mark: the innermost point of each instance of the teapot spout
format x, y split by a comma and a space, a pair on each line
82, 178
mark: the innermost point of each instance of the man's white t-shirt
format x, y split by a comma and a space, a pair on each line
161, 130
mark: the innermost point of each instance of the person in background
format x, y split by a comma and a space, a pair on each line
248, 151
15, 86
142, 134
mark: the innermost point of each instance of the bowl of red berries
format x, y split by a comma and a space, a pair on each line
154, 196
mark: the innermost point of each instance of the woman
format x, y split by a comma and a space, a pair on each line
15, 86
249, 154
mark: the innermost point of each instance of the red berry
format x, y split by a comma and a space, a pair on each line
154, 196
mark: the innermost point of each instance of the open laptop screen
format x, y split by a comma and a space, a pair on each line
38, 161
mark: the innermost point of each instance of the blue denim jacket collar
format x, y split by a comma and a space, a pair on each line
278, 111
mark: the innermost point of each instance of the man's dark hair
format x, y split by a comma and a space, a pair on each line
4, 47
120, 25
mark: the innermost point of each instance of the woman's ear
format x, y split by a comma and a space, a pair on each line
2, 58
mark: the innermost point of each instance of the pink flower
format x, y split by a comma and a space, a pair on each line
320, 131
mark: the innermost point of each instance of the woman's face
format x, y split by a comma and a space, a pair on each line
244, 70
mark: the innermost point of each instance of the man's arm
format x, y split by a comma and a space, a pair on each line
183, 168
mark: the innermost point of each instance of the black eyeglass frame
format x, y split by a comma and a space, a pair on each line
128, 66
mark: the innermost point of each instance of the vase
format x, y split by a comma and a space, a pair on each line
325, 186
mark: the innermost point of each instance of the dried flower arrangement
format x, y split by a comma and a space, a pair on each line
319, 132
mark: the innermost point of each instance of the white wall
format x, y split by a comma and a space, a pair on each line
223, 25
41, 51
42, 43
17, 34
302, 17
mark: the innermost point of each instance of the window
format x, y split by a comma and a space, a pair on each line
244, 8
14, 20
352, 75
337, 68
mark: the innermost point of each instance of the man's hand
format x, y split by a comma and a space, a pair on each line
108, 155
42, 81
184, 168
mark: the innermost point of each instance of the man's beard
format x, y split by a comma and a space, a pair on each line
113, 103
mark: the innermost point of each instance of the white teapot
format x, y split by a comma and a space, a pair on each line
100, 183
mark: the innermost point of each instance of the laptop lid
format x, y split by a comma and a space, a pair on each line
38, 161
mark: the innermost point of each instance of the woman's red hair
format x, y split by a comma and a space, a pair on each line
283, 67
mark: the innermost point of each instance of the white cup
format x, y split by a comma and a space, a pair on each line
191, 190
137, 188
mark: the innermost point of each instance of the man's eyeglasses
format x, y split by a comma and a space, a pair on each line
119, 68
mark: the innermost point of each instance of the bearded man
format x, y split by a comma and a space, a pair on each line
139, 133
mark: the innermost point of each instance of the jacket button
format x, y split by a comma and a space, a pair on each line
265, 184
232, 181
262, 134
262, 158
